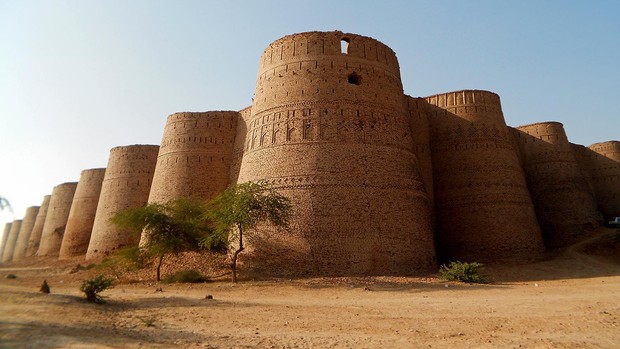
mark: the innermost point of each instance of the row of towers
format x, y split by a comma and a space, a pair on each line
380, 182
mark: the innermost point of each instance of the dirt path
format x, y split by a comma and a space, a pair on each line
537, 308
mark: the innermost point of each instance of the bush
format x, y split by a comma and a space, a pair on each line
92, 287
188, 276
463, 271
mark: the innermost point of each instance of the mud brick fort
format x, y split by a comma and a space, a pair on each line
380, 182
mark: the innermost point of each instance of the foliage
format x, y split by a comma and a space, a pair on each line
93, 287
170, 228
186, 276
239, 209
124, 259
463, 271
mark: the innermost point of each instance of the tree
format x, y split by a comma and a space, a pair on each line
237, 211
170, 228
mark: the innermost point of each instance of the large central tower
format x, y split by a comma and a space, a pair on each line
329, 128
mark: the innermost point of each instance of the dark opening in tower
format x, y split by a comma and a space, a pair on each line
354, 79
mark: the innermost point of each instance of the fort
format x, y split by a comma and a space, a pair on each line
381, 183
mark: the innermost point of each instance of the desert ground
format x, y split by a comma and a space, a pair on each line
569, 300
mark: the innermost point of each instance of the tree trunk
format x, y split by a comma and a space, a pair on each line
233, 265
161, 260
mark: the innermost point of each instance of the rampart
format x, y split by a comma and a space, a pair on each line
483, 208
9, 247
35, 236
329, 129
56, 219
565, 206
82, 214
126, 184
24, 232
605, 168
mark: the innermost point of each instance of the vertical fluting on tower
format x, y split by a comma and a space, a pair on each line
483, 207
56, 219
35, 236
605, 169
82, 214
9, 247
329, 128
24, 232
564, 204
126, 184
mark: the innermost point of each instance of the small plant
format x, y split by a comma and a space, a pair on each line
463, 271
186, 276
148, 321
11, 276
91, 288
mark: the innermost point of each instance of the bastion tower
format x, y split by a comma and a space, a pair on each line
329, 128
9, 246
37, 229
564, 204
126, 184
5, 237
24, 232
483, 207
82, 214
605, 167
194, 156
56, 219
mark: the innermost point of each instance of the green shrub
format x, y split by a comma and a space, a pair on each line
91, 288
188, 276
463, 271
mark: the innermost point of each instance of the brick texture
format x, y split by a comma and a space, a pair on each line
24, 232
37, 229
56, 219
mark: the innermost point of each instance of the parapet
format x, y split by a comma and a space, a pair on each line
126, 184
56, 219
82, 214
24, 232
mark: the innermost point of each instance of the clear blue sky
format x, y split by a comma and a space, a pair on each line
71, 72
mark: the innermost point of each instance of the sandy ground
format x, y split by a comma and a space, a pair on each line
570, 301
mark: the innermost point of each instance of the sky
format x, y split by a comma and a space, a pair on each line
79, 77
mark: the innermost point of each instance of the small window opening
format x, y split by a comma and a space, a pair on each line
354, 79
344, 45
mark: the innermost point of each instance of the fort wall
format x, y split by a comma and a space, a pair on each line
126, 184
24, 232
9, 248
330, 130
56, 219
483, 207
35, 236
5, 237
82, 214
564, 204
605, 169
245, 115
419, 113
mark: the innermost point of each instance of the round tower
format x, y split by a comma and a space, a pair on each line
420, 132
56, 219
82, 214
329, 128
484, 211
605, 162
24, 232
9, 248
5, 237
195, 156
564, 204
35, 236
126, 184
